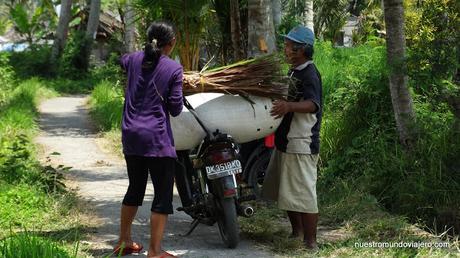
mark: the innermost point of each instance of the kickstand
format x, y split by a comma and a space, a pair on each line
194, 225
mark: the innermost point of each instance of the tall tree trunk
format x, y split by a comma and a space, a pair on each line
235, 24
62, 30
91, 30
261, 31
93, 19
308, 15
277, 13
400, 95
130, 28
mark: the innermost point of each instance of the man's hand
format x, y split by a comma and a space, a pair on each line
280, 108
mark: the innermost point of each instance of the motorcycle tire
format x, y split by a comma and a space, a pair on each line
257, 171
228, 222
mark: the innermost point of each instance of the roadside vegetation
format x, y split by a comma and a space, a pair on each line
39, 216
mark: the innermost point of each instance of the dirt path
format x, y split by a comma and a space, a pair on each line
102, 181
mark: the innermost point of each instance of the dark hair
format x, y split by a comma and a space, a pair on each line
159, 34
307, 49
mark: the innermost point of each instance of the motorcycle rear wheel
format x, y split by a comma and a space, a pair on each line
228, 222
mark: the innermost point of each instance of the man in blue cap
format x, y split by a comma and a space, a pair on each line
292, 171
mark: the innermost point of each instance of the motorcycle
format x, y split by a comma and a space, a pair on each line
206, 179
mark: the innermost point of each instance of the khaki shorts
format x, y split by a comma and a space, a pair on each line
291, 181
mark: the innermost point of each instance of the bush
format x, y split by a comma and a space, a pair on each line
33, 62
73, 64
360, 143
110, 71
6, 77
31, 195
17, 161
432, 39
107, 105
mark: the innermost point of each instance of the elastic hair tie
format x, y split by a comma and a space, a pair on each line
154, 43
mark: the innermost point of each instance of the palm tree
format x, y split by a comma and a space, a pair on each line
330, 16
235, 24
189, 17
261, 30
308, 15
130, 28
93, 20
277, 13
400, 95
62, 29
32, 19
91, 30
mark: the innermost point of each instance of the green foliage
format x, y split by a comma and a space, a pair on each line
73, 64
293, 11
32, 62
347, 217
6, 77
371, 24
22, 205
360, 143
432, 31
34, 20
4, 24
69, 86
27, 245
107, 105
189, 18
109, 71
330, 16
17, 163
28, 190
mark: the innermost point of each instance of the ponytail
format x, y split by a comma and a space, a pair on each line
151, 55
159, 34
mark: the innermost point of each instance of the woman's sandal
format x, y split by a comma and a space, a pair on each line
124, 250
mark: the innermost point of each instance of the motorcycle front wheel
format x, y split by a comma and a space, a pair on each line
228, 222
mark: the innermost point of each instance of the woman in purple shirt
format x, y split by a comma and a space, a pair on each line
153, 93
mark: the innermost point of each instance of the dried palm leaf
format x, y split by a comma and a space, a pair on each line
260, 77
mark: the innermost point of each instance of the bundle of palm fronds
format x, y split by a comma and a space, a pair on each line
261, 77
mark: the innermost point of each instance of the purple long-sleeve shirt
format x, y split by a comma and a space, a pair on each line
146, 128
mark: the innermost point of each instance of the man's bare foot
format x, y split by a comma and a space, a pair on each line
164, 254
295, 235
311, 246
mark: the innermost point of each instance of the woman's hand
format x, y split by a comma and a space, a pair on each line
280, 108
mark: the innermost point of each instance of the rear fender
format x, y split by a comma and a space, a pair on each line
224, 187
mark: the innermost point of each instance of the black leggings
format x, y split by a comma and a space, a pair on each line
162, 175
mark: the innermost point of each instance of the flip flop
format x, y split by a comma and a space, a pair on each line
135, 248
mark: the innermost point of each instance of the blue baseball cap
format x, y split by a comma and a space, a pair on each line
301, 34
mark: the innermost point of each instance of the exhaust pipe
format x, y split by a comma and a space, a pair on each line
245, 211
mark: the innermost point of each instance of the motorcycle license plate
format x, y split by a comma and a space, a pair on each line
224, 169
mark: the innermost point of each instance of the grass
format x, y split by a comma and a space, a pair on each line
32, 195
37, 247
344, 224
106, 105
